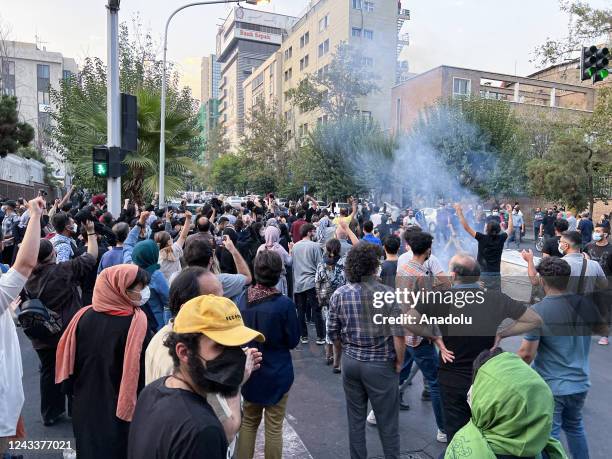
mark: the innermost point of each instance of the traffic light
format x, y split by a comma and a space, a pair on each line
108, 162
100, 161
594, 64
601, 65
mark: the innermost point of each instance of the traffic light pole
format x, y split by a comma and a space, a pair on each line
113, 103
162, 135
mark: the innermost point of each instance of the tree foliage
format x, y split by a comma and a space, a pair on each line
336, 90
80, 119
348, 156
478, 142
587, 25
578, 160
265, 148
13, 133
228, 174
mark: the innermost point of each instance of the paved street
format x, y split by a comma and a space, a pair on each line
317, 425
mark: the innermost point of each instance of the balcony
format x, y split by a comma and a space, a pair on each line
404, 14
404, 39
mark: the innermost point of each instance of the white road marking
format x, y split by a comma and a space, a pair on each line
293, 446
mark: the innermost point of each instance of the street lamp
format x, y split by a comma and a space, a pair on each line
162, 134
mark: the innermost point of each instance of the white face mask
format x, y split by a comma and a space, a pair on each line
75, 228
597, 237
560, 249
469, 396
145, 294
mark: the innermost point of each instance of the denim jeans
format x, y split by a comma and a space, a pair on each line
515, 236
568, 416
426, 358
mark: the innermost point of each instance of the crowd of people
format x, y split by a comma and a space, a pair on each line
167, 333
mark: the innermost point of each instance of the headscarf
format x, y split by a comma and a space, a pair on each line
272, 222
110, 297
512, 412
146, 255
324, 223
272, 236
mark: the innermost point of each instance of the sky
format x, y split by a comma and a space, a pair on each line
492, 35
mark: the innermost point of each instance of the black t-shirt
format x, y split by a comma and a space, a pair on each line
551, 247
388, 272
602, 255
309, 213
174, 424
490, 250
469, 340
549, 225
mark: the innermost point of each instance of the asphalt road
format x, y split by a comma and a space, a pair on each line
316, 424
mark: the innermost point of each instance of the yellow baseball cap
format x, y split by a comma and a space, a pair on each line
216, 317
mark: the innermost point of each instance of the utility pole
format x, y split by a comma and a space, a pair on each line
113, 102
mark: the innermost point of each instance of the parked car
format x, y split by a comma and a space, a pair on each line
234, 201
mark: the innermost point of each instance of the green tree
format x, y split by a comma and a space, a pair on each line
345, 157
228, 174
216, 144
575, 163
265, 148
13, 133
587, 25
80, 119
479, 141
337, 89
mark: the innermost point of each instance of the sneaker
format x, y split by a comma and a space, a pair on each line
441, 437
304, 339
426, 396
371, 419
320, 341
336, 370
603, 341
403, 405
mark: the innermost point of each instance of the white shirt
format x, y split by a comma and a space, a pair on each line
432, 264
11, 370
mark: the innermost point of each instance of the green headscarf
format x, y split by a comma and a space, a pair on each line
512, 411
146, 255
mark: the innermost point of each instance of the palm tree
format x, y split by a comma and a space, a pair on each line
84, 125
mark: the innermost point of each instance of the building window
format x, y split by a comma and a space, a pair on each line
304, 39
288, 74
368, 61
7, 78
356, 4
257, 81
289, 53
304, 62
356, 32
323, 23
368, 6
322, 119
369, 34
461, 87
323, 71
66, 75
324, 48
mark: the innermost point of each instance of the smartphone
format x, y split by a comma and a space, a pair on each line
219, 241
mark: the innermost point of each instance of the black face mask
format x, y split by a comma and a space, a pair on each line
222, 375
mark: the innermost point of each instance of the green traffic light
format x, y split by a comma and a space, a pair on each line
603, 73
100, 169
590, 71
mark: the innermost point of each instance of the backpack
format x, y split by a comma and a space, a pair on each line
37, 321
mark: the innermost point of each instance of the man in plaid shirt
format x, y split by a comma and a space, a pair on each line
414, 276
373, 354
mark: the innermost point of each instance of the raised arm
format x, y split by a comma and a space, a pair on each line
241, 266
92, 239
27, 256
132, 239
354, 210
344, 225
527, 255
185, 230
464, 223
510, 219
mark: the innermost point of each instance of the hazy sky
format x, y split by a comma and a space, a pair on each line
490, 35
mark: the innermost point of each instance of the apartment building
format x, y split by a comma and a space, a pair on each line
244, 41
370, 25
28, 71
527, 95
208, 114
